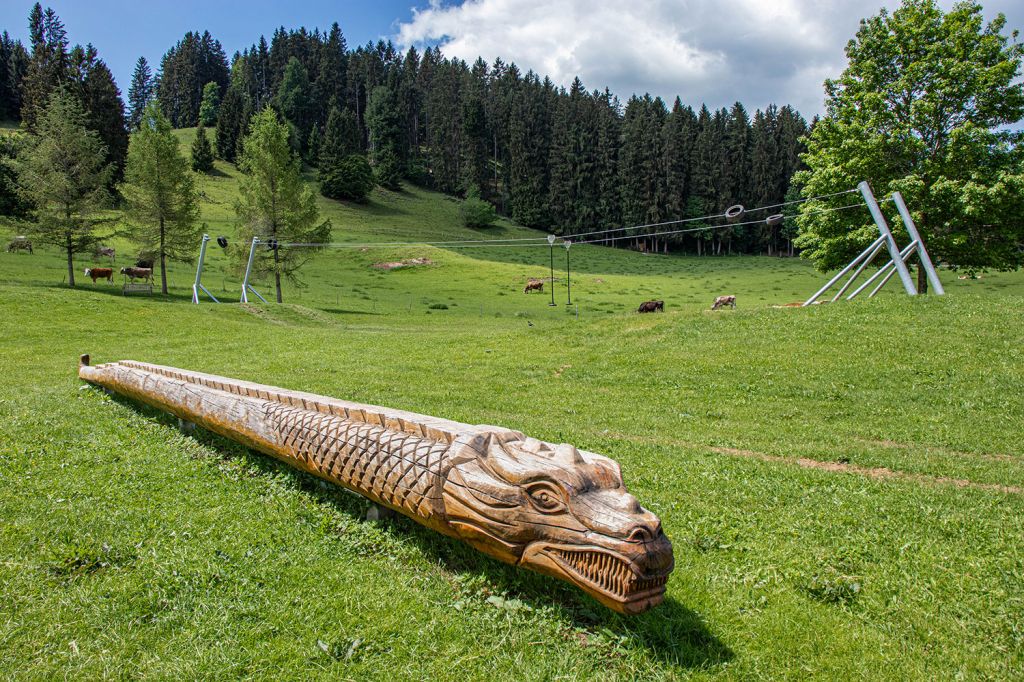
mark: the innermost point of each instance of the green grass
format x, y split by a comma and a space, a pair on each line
127, 549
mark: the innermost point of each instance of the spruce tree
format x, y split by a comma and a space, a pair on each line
202, 152
230, 123
48, 65
340, 139
159, 191
13, 63
140, 93
385, 136
295, 101
63, 174
275, 204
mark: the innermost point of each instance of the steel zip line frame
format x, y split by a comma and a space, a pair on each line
897, 258
246, 287
198, 286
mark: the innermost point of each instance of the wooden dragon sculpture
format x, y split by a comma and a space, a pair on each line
550, 508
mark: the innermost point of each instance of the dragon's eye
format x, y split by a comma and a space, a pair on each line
546, 498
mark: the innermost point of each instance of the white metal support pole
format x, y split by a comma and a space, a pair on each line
246, 287
883, 227
922, 252
856, 274
864, 254
199, 275
886, 270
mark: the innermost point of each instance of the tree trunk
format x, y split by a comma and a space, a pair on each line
71, 262
922, 280
277, 274
163, 261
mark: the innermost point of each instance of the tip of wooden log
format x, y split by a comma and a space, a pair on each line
83, 360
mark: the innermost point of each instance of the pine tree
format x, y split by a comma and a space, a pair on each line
209, 105
105, 109
48, 65
13, 64
350, 179
160, 194
184, 70
275, 204
295, 101
341, 139
231, 123
385, 137
63, 175
140, 93
202, 152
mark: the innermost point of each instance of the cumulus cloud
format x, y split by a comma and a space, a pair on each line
713, 51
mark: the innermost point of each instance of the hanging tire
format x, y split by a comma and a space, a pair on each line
734, 213
774, 220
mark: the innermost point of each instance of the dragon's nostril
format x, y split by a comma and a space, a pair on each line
640, 534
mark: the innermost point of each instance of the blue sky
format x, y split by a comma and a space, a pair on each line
711, 51
124, 30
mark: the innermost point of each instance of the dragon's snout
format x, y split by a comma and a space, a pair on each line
629, 577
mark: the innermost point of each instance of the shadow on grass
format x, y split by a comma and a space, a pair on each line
671, 632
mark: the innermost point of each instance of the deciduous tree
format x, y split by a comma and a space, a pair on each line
920, 109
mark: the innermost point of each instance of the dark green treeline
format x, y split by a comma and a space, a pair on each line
564, 160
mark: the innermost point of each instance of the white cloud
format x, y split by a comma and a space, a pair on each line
718, 52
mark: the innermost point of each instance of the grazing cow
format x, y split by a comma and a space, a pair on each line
100, 273
651, 306
145, 274
723, 301
107, 251
19, 244
144, 263
534, 285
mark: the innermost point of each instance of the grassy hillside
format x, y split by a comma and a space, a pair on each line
843, 485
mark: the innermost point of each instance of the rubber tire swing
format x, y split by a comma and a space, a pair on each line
774, 220
734, 213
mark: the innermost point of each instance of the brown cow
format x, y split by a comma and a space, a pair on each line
19, 244
534, 285
145, 274
651, 306
723, 301
100, 273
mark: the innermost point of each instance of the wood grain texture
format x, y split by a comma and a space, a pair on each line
546, 507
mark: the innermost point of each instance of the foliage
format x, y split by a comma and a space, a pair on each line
350, 179
185, 70
209, 105
13, 64
295, 101
12, 202
275, 204
920, 109
341, 139
232, 123
477, 212
202, 152
140, 93
385, 135
63, 175
159, 191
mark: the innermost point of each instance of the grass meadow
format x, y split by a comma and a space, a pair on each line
843, 484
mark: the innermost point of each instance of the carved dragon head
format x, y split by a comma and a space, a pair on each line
559, 511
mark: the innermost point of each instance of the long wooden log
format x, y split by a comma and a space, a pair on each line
549, 508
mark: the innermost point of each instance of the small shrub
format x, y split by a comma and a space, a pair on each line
476, 212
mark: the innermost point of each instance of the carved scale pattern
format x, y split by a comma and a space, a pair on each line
393, 467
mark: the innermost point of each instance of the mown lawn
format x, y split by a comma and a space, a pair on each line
843, 485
